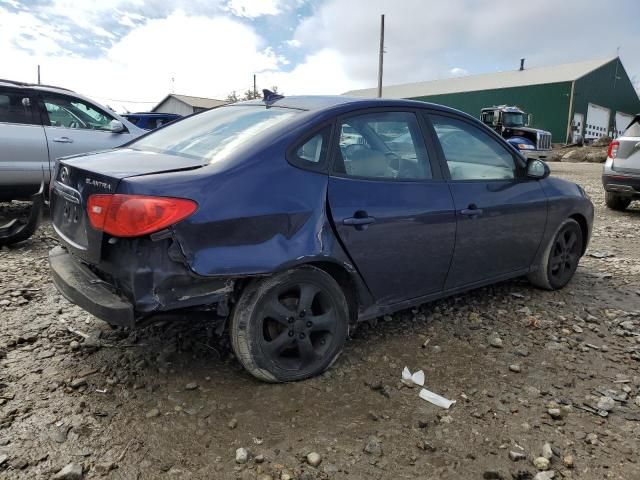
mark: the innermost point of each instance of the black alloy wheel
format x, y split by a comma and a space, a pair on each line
290, 326
565, 255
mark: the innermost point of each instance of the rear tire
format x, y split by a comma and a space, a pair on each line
560, 258
290, 326
616, 202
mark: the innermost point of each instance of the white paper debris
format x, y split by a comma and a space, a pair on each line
417, 378
435, 399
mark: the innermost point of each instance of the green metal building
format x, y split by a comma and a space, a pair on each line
590, 99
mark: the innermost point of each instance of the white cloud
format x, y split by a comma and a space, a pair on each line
253, 8
207, 57
458, 72
322, 73
426, 40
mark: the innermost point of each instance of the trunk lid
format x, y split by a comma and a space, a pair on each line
77, 178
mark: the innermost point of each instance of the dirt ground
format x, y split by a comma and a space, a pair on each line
170, 401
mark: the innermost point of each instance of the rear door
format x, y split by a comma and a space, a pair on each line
501, 213
23, 146
627, 159
74, 126
391, 208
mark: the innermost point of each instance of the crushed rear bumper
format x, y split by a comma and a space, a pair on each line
81, 286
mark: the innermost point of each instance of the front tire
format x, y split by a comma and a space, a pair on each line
616, 202
290, 326
560, 258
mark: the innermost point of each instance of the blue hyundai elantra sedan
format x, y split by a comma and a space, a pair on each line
288, 220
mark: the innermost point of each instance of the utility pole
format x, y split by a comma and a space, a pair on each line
381, 54
38, 74
255, 90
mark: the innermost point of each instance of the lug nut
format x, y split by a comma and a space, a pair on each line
309, 324
291, 319
301, 336
302, 314
291, 333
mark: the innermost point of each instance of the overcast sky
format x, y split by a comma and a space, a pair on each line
125, 51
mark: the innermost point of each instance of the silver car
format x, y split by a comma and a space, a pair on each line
621, 173
39, 124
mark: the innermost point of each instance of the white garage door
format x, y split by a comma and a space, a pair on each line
597, 122
622, 121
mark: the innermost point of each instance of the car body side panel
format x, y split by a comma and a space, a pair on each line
24, 158
235, 232
505, 237
566, 199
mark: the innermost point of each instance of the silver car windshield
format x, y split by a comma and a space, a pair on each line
215, 134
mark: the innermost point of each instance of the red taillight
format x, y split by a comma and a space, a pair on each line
613, 149
136, 215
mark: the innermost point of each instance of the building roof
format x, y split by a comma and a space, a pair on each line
197, 102
567, 72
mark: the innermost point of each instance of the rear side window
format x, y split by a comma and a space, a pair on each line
472, 154
15, 108
382, 145
311, 153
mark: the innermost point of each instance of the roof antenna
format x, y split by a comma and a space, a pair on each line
521, 64
268, 96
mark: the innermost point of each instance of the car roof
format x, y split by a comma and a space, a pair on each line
34, 86
323, 102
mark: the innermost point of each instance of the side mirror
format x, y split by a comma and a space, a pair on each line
528, 120
537, 169
116, 126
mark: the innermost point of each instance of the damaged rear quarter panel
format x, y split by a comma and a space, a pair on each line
255, 216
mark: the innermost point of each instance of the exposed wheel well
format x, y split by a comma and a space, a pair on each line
345, 280
337, 272
584, 228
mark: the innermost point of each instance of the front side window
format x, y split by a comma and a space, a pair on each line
215, 134
383, 145
472, 154
15, 108
70, 112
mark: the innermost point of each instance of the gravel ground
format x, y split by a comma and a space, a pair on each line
170, 401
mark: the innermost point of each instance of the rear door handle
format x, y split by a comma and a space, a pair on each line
355, 221
472, 211
360, 220
63, 140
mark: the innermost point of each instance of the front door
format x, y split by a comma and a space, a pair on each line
392, 211
501, 213
74, 126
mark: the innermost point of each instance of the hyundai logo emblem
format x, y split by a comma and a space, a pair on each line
64, 175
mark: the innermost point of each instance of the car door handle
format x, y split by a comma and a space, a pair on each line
358, 221
472, 211
63, 140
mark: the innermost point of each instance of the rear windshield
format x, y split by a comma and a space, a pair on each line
634, 129
214, 134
